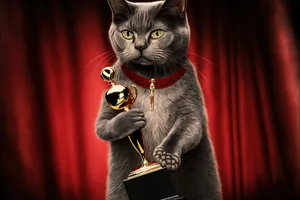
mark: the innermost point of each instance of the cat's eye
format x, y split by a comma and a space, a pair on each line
157, 34
128, 35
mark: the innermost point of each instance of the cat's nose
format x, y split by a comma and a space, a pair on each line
140, 44
140, 47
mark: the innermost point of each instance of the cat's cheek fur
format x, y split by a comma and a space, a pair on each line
165, 41
183, 31
120, 41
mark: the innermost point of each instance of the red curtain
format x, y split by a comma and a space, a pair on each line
53, 51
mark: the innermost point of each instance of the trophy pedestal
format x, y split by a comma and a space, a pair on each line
156, 185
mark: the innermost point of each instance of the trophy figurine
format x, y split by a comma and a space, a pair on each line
120, 97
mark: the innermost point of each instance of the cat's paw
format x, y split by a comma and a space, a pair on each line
169, 160
126, 123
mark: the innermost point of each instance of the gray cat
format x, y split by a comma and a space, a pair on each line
151, 39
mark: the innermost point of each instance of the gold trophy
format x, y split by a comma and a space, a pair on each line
120, 97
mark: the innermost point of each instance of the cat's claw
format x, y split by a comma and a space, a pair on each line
169, 160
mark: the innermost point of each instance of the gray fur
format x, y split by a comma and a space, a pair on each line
176, 133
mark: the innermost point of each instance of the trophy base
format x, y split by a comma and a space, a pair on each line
145, 169
155, 185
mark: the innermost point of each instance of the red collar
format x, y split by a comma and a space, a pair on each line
159, 82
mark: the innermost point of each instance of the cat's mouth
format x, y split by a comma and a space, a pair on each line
142, 61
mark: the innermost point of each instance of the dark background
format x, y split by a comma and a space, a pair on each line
293, 9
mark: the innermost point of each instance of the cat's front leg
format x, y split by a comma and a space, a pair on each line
184, 136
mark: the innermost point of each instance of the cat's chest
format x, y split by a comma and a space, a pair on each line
161, 120
157, 119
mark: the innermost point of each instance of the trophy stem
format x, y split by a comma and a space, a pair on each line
145, 161
137, 141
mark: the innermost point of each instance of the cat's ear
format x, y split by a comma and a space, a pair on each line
179, 5
120, 9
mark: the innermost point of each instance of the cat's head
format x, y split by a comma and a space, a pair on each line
152, 33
